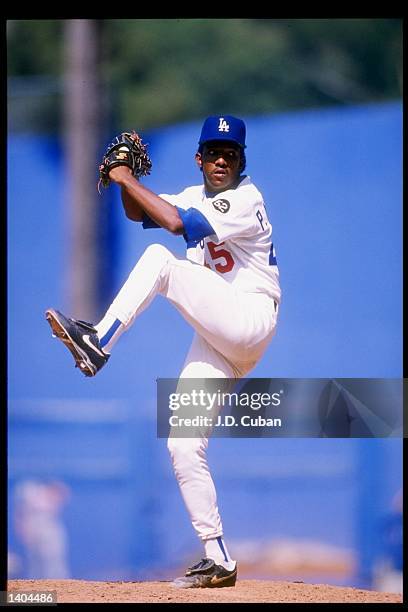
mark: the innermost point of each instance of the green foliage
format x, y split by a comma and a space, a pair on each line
160, 71
34, 47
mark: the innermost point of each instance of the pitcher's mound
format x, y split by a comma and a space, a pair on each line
245, 591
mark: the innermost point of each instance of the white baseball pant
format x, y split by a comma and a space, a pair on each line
232, 328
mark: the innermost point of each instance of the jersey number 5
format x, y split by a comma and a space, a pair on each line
217, 252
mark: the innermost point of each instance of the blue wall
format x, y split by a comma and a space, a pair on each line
332, 182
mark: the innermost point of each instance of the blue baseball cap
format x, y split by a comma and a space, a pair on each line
223, 127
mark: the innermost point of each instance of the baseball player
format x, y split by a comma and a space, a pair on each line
227, 288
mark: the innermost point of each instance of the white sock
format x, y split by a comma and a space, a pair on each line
109, 329
217, 549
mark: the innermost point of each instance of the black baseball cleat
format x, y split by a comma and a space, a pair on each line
81, 340
206, 574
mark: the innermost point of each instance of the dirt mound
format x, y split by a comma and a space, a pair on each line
245, 591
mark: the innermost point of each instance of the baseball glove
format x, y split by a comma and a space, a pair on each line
127, 149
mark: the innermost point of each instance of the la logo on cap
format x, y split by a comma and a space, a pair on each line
223, 125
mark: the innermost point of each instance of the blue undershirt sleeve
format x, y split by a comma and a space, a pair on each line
196, 226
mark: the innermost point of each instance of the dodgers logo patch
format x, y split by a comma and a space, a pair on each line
221, 205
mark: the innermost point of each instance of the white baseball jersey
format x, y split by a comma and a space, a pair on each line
240, 246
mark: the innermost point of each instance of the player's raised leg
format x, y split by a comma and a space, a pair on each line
236, 324
224, 317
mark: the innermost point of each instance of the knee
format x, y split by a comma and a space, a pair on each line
158, 251
155, 259
186, 451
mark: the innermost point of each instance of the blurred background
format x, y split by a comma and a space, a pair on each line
91, 493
